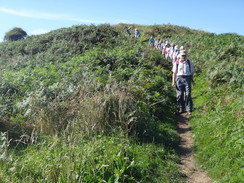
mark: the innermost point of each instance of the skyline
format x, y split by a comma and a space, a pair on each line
41, 17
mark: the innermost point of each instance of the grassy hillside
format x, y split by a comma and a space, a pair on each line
218, 120
90, 104
86, 104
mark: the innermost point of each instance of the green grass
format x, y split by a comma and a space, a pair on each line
218, 102
218, 128
89, 104
100, 159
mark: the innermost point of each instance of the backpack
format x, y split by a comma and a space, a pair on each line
187, 61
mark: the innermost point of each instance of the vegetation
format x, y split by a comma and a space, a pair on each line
89, 104
90, 99
218, 119
15, 34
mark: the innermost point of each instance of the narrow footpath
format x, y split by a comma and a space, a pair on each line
188, 164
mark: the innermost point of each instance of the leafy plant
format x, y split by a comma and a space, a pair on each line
15, 34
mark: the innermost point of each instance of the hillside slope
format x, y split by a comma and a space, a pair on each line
218, 120
100, 103
86, 104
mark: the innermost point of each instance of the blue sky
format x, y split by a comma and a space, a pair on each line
37, 17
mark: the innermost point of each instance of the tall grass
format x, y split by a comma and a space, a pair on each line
87, 104
90, 104
218, 96
75, 158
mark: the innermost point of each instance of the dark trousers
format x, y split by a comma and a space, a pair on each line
183, 90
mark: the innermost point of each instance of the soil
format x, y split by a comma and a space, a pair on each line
189, 166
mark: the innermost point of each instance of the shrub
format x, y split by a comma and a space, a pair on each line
15, 34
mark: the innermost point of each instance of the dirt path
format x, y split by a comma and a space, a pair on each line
188, 165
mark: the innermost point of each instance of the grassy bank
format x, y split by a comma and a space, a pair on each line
218, 97
86, 104
90, 104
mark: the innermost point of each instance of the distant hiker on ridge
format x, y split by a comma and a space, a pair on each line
151, 42
182, 79
127, 29
137, 33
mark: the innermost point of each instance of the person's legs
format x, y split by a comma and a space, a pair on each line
180, 88
188, 99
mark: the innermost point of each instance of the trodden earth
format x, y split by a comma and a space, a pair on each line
189, 166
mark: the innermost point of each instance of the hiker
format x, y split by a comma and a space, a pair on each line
175, 54
164, 44
172, 50
181, 49
151, 42
158, 47
167, 51
156, 43
137, 33
127, 29
182, 79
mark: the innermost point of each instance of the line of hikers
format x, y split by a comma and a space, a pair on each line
136, 32
171, 51
182, 69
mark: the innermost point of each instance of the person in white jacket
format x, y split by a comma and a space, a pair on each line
182, 79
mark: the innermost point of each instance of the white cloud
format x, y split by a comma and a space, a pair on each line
48, 16
31, 14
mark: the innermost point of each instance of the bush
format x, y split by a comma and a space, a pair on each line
15, 34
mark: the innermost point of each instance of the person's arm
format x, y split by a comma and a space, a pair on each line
173, 79
174, 70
